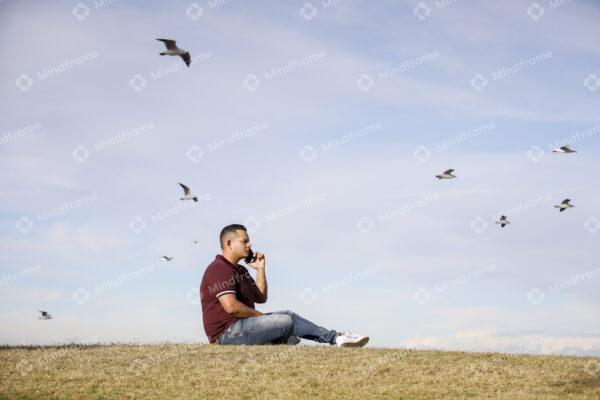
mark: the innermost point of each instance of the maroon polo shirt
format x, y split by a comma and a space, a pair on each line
222, 277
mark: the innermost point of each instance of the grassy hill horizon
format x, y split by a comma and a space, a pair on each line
192, 371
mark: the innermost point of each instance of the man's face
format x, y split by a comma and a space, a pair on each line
240, 245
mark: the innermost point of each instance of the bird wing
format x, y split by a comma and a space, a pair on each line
186, 190
503, 218
186, 58
449, 171
169, 43
566, 201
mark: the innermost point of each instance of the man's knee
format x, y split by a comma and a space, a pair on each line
281, 320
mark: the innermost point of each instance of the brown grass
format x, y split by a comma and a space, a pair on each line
182, 371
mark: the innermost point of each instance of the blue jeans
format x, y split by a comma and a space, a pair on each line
279, 327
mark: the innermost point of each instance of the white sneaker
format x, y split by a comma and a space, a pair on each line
347, 339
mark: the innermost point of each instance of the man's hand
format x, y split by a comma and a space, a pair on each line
259, 261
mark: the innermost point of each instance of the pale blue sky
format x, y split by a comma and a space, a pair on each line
422, 278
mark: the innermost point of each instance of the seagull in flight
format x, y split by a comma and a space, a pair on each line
166, 258
45, 315
564, 205
173, 50
503, 221
446, 175
187, 193
564, 149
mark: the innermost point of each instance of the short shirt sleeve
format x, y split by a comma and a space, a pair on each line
222, 282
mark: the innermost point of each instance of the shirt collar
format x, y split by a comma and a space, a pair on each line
226, 261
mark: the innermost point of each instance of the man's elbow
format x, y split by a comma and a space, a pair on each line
230, 307
260, 300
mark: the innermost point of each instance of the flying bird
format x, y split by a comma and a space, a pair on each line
187, 193
564, 149
45, 315
173, 50
166, 258
503, 221
564, 205
446, 175
195, 242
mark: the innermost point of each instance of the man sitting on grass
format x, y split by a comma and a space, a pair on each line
228, 294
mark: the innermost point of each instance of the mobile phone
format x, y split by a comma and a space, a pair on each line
249, 258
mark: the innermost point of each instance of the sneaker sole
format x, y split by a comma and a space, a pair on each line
360, 343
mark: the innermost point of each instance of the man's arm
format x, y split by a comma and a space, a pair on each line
261, 288
232, 306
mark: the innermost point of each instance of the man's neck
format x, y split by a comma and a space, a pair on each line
231, 258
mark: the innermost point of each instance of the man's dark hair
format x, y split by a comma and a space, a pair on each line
228, 230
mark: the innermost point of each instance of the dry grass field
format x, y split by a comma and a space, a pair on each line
182, 371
